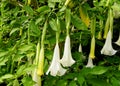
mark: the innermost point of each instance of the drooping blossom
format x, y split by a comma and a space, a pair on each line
67, 59
90, 63
80, 48
118, 41
55, 67
41, 62
92, 48
107, 48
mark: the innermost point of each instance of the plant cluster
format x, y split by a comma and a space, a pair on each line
59, 43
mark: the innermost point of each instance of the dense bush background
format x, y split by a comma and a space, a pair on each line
21, 29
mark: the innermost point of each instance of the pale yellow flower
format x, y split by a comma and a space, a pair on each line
92, 49
36, 78
41, 63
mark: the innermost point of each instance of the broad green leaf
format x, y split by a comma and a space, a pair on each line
39, 20
72, 83
53, 24
85, 71
13, 22
3, 61
25, 48
80, 79
43, 9
3, 53
61, 83
29, 10
77, 22
30, 68
20, 70
34, 30
27, 81
16, 83
98, 70
69, 76
14, 30
115, 81
7, 76
97, 82
51, 4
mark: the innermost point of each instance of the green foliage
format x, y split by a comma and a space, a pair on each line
21, 26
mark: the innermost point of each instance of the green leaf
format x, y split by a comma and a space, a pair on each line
115, 81
61, 83
77, 22
72, 83
39, 20
97, 82
14, 30
34, 30
25, 48
80, 79
3, 61
27, 81
98, 70
29, 10
16, 83
7, 76
69, 76
20, 70
53, 24
43, 9
30, 68
3, 53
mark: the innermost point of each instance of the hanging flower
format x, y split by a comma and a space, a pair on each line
67, 59
107, 48
67, 2
118, 41
55, 67
36, 78
41, 62
92, 49
80, 48
90, 63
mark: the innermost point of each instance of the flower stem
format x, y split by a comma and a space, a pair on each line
43, 34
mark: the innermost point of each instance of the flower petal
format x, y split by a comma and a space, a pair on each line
67, 59
107, 48
90, 63
55, 67
118, 41
80, 48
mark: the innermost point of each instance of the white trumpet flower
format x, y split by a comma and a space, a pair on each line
107, 48
80, 48
90, 63
118, 41
67, 59
55, 67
